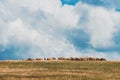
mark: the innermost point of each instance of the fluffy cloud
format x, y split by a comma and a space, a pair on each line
100, 24
39, 42
47, 28
41, 33
100, 27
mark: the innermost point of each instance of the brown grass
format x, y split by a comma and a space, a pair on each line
59, 70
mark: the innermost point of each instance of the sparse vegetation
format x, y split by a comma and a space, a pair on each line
59, 70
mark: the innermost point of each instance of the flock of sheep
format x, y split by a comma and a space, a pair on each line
68, 59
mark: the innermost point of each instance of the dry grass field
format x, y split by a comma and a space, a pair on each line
59, 70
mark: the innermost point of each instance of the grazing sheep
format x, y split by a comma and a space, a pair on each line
82, 59
102, 59
92, 59
67, 59
49, 59
71, 59
64, 58
54, 58
77, 59
86, 59
97, 59
61, 58
29, 59
38, 59
45, 59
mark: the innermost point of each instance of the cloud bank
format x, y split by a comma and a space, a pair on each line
47, 28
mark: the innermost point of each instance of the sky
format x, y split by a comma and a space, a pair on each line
59, 28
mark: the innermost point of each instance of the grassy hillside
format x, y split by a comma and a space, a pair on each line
62, 70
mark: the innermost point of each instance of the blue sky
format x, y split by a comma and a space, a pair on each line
55, 28
105, 3
70, 2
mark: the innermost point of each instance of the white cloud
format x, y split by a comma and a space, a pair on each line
41, 43
101, 28
48, 6
41, 26
100, 24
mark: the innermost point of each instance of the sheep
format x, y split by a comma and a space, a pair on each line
49, 59
92, 59
97, 59
45, 59
29, 59
38, 58
86, 58
82, 59
54, 58
77, 59
61, 58
71, 58
102, 59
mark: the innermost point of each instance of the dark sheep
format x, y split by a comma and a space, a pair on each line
102, 59
29, 59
